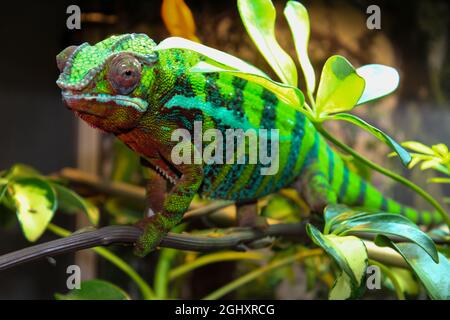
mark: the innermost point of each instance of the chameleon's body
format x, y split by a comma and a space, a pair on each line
121, 85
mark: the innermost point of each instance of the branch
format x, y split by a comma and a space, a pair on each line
235, 239
239, 239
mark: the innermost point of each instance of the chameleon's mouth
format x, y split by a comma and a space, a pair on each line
169, 176
86, 102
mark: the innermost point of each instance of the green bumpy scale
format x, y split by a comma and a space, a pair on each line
123, 86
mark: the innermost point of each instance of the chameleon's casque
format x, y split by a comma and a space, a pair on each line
123, 86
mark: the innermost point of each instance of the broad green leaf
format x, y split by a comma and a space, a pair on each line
334, 214
404, 155
95, 290
259, 17
72, 203
348, 252
380, 81
342, 288
298, 20
290, 95
216, 56
35, 202
388, 224
21, 171
434, 276
340, 87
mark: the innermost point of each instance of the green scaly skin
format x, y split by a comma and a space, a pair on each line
142, 108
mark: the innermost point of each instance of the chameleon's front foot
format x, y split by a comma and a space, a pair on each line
154, 229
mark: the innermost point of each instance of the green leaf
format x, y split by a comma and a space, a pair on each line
281, 208
342, 288
380, 81
418, 147
340, 87
72, 203
388, 224
288, 94
350, 255
298, 20
35, 202
214, 56
441, 150
440, 234
95, 290
21, 171
405, 279
334, 214
434, 276
404, 155
430, 164
259, 17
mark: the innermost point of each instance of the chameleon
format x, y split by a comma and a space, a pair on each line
123, 86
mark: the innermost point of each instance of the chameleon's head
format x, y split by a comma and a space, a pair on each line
107, 84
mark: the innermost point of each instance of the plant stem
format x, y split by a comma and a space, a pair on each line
233, 285
166, 257
386, 172
212, 258
146, 291
391, 276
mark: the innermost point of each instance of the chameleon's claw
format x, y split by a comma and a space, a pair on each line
153, 233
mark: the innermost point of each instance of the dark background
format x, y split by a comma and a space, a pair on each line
37, 130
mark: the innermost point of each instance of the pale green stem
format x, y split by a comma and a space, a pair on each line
162, 270
386, 172
166, 257
391, 276
212, 258
146, 291
233, 285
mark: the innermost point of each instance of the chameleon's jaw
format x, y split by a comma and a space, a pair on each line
100, 104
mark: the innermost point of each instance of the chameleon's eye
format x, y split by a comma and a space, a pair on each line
63, 57
124, 73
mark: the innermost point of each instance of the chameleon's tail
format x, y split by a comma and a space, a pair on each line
352, 190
